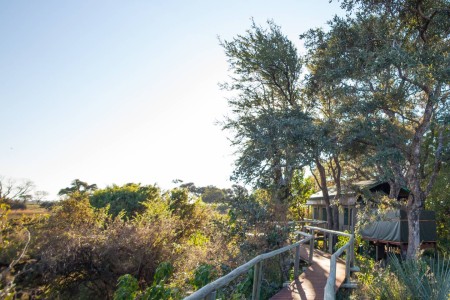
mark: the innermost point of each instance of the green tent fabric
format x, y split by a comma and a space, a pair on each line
393, 227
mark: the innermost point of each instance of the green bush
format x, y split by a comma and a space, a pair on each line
203, 275
127, 288
127, 198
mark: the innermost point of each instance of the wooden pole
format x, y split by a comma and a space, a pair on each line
311, 247
330, 244
211, 296
257, 276
348, 259
329, 287
352, 251
297, 259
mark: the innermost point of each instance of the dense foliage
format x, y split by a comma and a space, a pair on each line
127, 198
374, 103
81, 251
386, 65
171, 244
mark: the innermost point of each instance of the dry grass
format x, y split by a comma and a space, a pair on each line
32, 209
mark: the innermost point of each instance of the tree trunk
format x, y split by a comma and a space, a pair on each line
336, 171
416, 197
324, 188
335, 211
413, 214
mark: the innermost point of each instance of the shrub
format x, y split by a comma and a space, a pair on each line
128, 288
48, 204
82, 251
127, 198
85, 250
16, 204
203, 275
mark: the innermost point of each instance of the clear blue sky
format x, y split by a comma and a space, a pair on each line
125, 91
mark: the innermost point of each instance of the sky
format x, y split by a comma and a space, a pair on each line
112, 92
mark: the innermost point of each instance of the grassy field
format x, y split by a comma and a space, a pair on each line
32, 209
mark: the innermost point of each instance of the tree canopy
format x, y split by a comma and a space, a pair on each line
270, 117
127, 198
390, 59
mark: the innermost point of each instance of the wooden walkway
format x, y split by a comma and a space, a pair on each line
311, 283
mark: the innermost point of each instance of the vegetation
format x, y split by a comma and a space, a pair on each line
128, 198
81, 251
386, 65
268, 111
172, 244
425, 278
368, 100
438, 201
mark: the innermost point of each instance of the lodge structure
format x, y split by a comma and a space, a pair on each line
389, 231
348, 201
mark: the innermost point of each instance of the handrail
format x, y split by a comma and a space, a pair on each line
329, 291
309, 221
211, 288
330, 231
303, 222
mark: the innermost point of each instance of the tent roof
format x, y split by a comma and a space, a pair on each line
349, 190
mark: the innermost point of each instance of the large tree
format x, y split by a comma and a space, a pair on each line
269, 118
391, 60
78, 187
279, 125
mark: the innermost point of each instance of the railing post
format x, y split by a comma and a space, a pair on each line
331, 282
330, 243
297, 259
311, 247
211, 296
348, 258
257, 276
352, 251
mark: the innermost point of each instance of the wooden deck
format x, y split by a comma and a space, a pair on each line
311, 283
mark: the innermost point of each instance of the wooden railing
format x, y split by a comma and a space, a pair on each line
300, 225
208, 292
329, 292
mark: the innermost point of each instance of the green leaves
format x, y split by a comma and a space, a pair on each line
78, 187
127, 288
129, 198
203, 275
268, 112
384, 70
266, 66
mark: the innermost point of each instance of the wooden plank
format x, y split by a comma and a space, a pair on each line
311, 283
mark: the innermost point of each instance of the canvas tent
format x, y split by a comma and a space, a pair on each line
391, 230
350, 196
